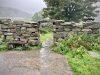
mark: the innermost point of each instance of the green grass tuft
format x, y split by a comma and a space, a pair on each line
43, 37
35, 47
19, 48
84, 66
3, 48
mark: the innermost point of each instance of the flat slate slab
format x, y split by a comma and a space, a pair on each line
93, 54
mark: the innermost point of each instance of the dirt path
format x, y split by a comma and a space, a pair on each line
38, 62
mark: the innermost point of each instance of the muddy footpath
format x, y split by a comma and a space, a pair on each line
34, 62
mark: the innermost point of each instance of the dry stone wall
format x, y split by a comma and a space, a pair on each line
20, 31
45, 24
62, 30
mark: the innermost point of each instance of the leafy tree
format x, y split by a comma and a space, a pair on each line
37, 16
70, 10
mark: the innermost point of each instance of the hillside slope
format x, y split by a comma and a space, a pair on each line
11, 12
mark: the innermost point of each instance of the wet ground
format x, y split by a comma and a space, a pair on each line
35, 62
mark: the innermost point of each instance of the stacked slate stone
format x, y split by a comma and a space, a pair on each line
21, 31
62, 30
5, 24
92, 28
32, 33
45, 24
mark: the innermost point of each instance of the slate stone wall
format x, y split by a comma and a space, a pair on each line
20, 31
63, 29
45, 24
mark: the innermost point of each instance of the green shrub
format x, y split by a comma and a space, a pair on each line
18, 48
78, 44
79, 52
3, 47
34, 47
60, 48
38, 46
29, 47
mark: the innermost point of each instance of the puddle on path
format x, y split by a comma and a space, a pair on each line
44, 55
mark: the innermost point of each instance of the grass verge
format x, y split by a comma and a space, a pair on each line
84, 66
43, 37
76, 50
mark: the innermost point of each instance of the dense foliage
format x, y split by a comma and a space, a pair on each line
70, 10
78, 45
3, 48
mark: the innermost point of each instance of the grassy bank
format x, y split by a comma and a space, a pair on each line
43, 37
76, 51
84, 66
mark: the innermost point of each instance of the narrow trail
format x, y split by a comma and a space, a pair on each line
53, 63
35, 62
